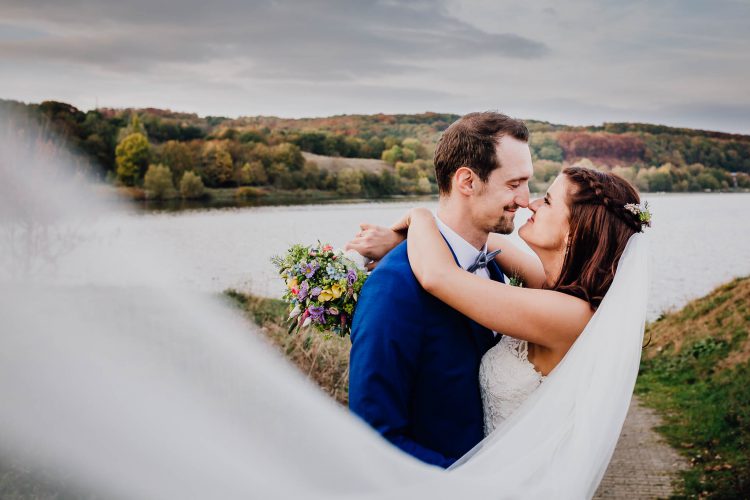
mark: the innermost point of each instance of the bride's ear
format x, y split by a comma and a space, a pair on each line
465, 181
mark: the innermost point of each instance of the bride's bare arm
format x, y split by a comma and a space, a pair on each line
516, 262
544, 317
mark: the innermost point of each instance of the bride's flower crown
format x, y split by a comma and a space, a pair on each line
641, 212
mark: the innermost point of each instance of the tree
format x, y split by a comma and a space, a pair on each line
217, 166
178, 157
134, 127
393, 155
289, 155
158, 182
131, 157
420, 151
407, 170
627, 173
253, 173
349, 181
252, 136
191, 186
423, 185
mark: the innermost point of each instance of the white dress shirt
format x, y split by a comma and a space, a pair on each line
465, 251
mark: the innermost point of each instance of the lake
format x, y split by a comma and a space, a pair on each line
698, 241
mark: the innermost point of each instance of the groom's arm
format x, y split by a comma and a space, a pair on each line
386, 340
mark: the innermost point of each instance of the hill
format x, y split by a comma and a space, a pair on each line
268, 151
696, 373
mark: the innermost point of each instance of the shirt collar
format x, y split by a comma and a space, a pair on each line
465, 251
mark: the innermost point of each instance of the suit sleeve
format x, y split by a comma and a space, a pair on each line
386, 340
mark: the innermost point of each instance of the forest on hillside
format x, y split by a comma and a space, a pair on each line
168, 153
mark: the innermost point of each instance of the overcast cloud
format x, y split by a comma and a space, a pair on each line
679, 62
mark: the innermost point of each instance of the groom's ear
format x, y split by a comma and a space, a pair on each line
465, 181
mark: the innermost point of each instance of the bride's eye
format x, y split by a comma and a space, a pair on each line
546, 201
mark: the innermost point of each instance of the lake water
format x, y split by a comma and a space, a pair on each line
698, 241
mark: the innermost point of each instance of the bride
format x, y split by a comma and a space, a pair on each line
578, 231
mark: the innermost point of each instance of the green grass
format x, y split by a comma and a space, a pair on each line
697, 377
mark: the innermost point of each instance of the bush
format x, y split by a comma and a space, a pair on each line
248, 193
191, 186
158, 183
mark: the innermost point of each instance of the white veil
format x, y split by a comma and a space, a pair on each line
151, 392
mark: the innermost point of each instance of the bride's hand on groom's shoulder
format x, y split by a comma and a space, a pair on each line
373, 242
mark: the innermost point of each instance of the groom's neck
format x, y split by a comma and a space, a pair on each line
458, 217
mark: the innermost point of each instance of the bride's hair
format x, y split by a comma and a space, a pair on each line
600, 227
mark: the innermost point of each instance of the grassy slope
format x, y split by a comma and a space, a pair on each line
696, 374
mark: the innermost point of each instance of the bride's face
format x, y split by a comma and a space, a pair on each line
548, 227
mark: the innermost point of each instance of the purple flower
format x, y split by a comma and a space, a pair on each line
315, 291
309, 269
303, 289
351, 277
317, 313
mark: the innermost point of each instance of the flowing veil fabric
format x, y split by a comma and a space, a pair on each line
148, 391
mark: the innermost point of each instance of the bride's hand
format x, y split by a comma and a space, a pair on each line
373, 242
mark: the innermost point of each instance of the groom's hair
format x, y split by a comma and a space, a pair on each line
470, 142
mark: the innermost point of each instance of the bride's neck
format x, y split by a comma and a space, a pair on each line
552, 262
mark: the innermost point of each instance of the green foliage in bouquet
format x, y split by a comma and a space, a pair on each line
322, 288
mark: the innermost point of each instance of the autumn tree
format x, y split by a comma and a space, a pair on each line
191, 185
217, 166
132, 156
349, 182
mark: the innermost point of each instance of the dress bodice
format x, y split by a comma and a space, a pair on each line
506, 379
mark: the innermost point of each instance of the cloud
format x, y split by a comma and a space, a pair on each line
681, 62
306, 40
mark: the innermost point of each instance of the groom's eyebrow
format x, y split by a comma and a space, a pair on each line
521, 178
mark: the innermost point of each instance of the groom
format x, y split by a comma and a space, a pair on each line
414, 369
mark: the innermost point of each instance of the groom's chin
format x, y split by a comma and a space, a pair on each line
504, 225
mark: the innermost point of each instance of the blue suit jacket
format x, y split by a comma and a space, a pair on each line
414, 368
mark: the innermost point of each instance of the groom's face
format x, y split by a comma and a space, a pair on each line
506, 189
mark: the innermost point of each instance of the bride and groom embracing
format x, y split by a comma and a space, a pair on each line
444, 352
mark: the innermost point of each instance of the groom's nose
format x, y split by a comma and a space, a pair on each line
522, 196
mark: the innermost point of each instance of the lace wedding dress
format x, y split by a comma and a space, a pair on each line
506, 379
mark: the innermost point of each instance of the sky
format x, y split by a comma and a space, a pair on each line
675, 62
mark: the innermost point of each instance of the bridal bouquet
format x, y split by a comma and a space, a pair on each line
322, 287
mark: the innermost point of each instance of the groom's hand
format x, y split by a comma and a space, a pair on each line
373, 242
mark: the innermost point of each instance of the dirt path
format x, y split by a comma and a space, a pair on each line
643, 465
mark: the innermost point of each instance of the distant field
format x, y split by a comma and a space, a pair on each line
336, 163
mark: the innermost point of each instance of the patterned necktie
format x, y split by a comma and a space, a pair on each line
481, 261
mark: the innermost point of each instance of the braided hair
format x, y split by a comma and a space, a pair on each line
600, 227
